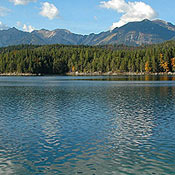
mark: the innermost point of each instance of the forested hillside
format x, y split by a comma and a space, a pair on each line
61, 59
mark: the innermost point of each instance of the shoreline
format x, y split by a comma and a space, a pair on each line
91, 74
18, 74
117, 73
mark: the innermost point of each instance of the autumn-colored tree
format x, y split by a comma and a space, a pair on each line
73, 68
173, 64
165, 66
147, 67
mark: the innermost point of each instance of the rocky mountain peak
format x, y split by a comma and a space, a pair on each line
132, 33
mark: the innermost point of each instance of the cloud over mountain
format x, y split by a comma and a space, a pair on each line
131, 11
28, 28
49, 10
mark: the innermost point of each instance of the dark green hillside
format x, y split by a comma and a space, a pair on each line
60, 59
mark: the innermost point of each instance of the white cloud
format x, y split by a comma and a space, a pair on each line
3, 26
22, 2
28, 28
131, 11
49, 10
25, 27
4, 11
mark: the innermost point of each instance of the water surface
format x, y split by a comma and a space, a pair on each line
87, 125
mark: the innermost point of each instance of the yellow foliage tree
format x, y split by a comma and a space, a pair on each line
164, 64
73, 69
173, 64
147, 67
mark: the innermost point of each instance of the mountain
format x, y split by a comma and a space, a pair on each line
60, 36
133, 33
138, 33
14, 36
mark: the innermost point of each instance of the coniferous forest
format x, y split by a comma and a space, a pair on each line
61, 59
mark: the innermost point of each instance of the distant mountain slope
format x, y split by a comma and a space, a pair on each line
60, 36
133, 33
14, 36
138, 33
165, 24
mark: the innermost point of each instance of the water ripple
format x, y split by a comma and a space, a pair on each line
86, 127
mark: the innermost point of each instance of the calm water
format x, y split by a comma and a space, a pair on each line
86, 125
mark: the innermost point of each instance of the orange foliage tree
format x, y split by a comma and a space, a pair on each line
173, 64
164, 64
147, 67
73, 69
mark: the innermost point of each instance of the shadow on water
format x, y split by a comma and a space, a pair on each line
127, 78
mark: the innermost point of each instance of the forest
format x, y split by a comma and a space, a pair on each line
62, 59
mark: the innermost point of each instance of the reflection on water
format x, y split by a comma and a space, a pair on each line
51, 125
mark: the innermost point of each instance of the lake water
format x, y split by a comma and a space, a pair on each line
87, 125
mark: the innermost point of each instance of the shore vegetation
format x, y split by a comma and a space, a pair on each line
68, 59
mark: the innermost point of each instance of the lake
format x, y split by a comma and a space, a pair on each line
87, 125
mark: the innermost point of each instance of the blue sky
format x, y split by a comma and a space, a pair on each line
81, 16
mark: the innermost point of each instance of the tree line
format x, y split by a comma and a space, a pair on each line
60, 59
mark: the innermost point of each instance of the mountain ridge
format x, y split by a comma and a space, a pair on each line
132, 33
